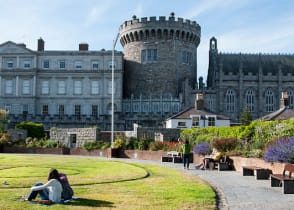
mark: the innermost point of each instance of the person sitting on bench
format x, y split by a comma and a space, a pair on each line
213, 157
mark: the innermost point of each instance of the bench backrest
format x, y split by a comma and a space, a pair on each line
288, 168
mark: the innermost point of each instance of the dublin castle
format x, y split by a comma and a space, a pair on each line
155, 77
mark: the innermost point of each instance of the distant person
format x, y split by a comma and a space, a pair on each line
215, 156
49, 192
186, 154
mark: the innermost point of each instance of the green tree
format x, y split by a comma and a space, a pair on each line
35, 130
246, 117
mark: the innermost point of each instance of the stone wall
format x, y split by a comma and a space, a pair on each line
63, 135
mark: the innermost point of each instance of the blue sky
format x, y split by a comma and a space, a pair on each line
248, 26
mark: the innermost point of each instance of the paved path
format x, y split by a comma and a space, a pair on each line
238, 192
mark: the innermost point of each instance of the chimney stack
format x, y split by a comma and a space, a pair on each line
284, 101
199, 103
83, 47
41, 44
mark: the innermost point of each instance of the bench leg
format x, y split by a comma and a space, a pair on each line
262, 174
275, 182
248, 172
288, 187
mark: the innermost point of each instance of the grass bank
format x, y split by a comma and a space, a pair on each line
103, 184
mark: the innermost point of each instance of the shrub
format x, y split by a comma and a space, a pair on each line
89, 145
202, 148
5, 138
119, 142
35, 130
143, 143
281, 150
225, 144
158, 145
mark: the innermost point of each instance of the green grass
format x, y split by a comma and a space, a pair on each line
103, 184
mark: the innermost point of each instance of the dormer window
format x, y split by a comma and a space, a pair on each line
110, 65
46, 64
27, 64
195, 120
9, 64
78, 64
95, 65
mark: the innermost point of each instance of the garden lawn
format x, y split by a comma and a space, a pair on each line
103, 184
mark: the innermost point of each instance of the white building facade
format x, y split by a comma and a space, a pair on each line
59, 88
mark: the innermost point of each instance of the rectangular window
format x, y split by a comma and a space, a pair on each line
195, 121
61, 110
143, 56
9, 64
7, 107
181, 124
77, 110
187, 57
95, 65
109, 87
45, 87
94, 110
155, 58
78, 64
27, 64
8, 87
62, 64
211, 121
61, 87
94, 87
25, 109
149, 55
26, 87
45, 110
110, 65
77, 87
46, 64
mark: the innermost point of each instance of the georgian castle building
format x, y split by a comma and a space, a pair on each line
155, 77
59, 88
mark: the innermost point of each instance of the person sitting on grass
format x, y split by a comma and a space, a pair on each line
213, 157
49, 192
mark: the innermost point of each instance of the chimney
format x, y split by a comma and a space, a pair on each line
41, 44
83, 47
199, 103
284, 101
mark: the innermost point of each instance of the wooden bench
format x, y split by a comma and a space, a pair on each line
172, 156
285, 180
224, 164
260, 173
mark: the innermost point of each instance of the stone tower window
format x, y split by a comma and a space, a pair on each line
230, 100
269, 101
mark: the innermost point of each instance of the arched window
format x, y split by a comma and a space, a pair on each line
250, 96
269, 101
291, 99
230, 100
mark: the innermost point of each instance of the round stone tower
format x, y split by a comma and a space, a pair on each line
160, 56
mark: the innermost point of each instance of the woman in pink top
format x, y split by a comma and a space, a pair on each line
49, 192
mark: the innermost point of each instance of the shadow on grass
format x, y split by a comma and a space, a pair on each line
90, 203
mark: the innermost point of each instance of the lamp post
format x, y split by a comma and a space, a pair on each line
112, 89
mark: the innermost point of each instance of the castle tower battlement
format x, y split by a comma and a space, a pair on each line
158, 29
160, 57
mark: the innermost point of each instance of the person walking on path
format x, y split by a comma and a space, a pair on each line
186, 154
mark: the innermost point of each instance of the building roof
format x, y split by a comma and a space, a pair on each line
251, 63
281, 114
186, 114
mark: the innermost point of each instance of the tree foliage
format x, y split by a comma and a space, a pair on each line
35, 130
